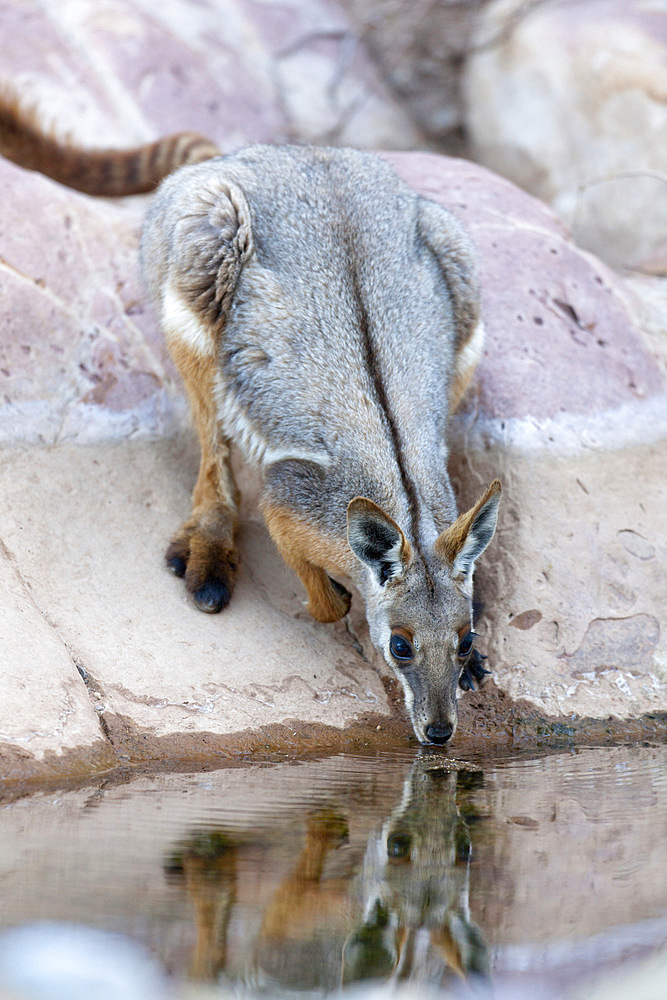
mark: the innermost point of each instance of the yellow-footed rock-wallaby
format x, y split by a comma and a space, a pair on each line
325, 319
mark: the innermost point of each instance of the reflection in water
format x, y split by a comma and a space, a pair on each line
397, 909
207, 867
414, 884
304, 875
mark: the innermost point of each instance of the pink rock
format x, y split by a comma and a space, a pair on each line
75, 323
569, 408
568, 101
560, 336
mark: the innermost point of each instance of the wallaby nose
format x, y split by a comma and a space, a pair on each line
439, 732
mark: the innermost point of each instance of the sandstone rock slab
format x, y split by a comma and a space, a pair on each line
87, 528
568, 101
45, 709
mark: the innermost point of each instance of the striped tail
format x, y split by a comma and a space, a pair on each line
105, 172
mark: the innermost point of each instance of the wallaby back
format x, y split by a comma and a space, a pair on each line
344, 323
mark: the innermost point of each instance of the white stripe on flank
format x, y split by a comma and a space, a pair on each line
256, 449
471, 352
181, 324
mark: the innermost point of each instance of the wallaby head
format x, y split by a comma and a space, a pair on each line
419, 604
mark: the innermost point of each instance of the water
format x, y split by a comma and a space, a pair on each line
290, 879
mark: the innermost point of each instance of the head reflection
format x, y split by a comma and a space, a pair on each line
313, 907
414, 884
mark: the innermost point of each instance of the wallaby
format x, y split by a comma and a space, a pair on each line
325, 319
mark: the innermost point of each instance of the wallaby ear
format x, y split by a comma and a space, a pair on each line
211, 240
377, 540
464, 541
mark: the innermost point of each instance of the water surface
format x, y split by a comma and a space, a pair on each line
292, 879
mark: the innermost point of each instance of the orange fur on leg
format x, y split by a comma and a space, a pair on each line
312, 555
204, 550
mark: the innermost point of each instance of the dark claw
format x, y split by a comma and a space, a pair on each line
474, 670
476, 665
212, 597
177, 565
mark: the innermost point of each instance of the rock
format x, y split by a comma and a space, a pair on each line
51, 959
234, 70
420, 49
106, 661
45, 707
568, 100
86, 528
644, 977
80, 357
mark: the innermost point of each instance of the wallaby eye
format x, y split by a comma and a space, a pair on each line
465, 645
463, 847
398, 846
400, 648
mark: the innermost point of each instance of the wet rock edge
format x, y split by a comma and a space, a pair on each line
490, 724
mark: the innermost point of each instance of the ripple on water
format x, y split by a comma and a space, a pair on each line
303, 875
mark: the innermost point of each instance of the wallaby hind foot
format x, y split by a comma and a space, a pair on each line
307, 551
209, 563
204, 549
328, 600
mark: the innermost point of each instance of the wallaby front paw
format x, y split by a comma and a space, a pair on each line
474, 670
209, 566
328, 600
